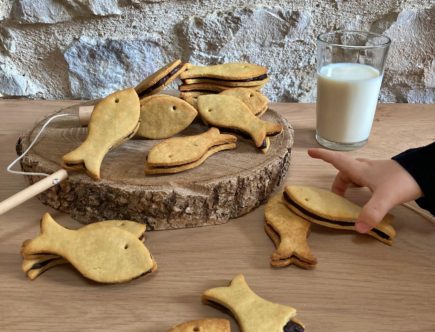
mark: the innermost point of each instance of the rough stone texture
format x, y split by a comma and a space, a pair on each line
54, 11
51, 40
5, 8
97, 68
15, 83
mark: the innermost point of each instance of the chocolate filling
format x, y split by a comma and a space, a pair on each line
40, 265
160, 82
330, 221
263, 145
292, 326
258, 78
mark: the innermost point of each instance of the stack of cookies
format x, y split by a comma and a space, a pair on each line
199, 80
289, 216
109, 251
230, 90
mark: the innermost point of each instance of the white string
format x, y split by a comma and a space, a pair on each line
12, 164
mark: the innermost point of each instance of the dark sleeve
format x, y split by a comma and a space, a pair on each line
420, 163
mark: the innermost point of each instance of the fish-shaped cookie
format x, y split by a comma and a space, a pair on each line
230, 112
253, 313
256, 101
177, 154
240, 72
160, 79
289, 233
35, 265
162, 116
105, 254
203, 325
114, 120
328, 209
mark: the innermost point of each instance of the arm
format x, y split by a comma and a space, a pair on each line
420, 164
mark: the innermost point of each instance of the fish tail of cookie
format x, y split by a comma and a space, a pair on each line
37, 270
45, 242
81, 158
258, 135
273, 128
215, 135
224, 295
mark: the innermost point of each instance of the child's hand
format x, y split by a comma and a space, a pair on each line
387, 180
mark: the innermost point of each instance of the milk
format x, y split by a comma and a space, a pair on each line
347, 94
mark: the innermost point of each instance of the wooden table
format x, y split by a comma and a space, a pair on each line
359, 284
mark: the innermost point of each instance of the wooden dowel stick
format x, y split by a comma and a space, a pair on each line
32, 190
85, 113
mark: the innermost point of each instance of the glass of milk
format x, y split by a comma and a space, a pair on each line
350, 67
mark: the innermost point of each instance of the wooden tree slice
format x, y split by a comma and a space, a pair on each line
228, 185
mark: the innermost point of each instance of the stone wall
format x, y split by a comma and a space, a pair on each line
88, 48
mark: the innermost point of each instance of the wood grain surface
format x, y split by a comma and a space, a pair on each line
359, 284
201, 196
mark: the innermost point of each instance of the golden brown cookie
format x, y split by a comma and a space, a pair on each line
230, 112
328, 209
244, 72
196, 154
203, 87
35, 265
105, 255
289, 232
114, 120
203, 325
257, 103
160, 79
162, 116
182, 150
252, 312
233, 84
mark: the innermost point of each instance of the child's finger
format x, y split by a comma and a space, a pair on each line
339, 160
341, 183
373, 211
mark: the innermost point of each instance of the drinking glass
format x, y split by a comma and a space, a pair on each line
350, 67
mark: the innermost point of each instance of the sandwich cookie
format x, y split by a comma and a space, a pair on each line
105, 255
289, 233
331, 210
178, 154
203, 325
115, 119
230, 112
253, 313
257, 102
229, 72
160, 79
35, 265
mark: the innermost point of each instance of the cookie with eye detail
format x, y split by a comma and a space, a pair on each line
114, 120
104, 255
257, 102
233, 84
328, 209
177, 154
162, 116
35, 265
157, 81
239, 72
231, 113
